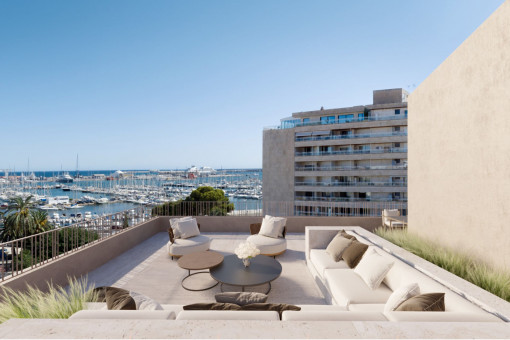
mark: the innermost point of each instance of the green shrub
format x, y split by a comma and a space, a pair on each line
56, 303
492, 280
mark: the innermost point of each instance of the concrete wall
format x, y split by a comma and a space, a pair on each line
278, 165
82, 261
294, 224
459, 146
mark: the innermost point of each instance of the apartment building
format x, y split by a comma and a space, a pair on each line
349, 161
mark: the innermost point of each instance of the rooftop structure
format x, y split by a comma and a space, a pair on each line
349, 161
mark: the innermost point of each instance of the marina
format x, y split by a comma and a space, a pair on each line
72, 197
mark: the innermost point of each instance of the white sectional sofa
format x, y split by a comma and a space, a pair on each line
342, 286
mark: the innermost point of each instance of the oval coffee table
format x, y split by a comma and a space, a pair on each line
263, 269
199, 261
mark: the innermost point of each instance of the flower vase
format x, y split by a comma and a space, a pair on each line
246, 262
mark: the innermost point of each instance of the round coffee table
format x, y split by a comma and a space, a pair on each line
199, 261
263, 269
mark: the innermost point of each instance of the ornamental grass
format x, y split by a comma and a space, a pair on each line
484, 276
55, 303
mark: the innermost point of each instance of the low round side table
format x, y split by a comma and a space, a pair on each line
199, 261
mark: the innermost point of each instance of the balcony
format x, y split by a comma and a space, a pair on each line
348, 199
292, 123
350, 168
349, 136
352, 184
351, 152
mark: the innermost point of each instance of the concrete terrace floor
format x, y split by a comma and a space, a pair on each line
149, 270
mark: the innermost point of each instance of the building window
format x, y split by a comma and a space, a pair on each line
361, 116
396, 128
328, 120
397, 145
397, 111
405, 112
345, 118
306, 120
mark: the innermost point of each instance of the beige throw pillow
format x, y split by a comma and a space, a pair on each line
272, 226
400, 295
337, 246
372, 268
177, 219
187, 228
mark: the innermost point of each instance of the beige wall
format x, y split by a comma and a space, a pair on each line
459, 146
278, 165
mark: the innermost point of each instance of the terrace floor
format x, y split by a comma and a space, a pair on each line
149, 270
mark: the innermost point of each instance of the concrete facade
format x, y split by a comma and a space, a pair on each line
278, 165
340, 162
459, 146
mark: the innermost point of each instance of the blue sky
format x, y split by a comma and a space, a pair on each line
166, 84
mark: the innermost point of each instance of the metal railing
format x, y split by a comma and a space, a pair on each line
348, 199
290, 125
347, 168
351, 152
23, 254
349, 136
352, 184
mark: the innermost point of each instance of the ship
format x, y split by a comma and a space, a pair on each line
65, 178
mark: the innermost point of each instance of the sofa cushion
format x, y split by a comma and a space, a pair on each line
431, 302
441, 317
212, 306
332, 316
372, 268
322, 261
268, 245
400, 295
366, 307
119, 299
228, 315
124, 314
186, 228
352, 255
348, 287
278, 307
189, 245
272, 226
337, 246
241, 298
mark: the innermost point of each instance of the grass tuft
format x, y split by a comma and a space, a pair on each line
56, 303
492, 280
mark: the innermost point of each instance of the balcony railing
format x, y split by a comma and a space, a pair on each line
348, 168
352, 184
351, 152
20, 255
349, 199
349, 136
290, 124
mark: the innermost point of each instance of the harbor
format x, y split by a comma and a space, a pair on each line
72, 197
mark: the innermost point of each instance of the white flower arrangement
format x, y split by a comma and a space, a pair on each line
247, 250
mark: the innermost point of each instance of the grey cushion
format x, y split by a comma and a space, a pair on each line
337, 246
241, 298
119, 299
212, 306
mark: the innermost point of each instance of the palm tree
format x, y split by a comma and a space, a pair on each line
41, 223
18, 219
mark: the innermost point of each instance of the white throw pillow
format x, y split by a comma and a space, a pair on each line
144, 302
400, 295
187, 228
272, 226
177, 219
373, 268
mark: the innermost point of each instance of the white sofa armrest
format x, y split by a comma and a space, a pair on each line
331, 316
228, 315
124, 314
441, 317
